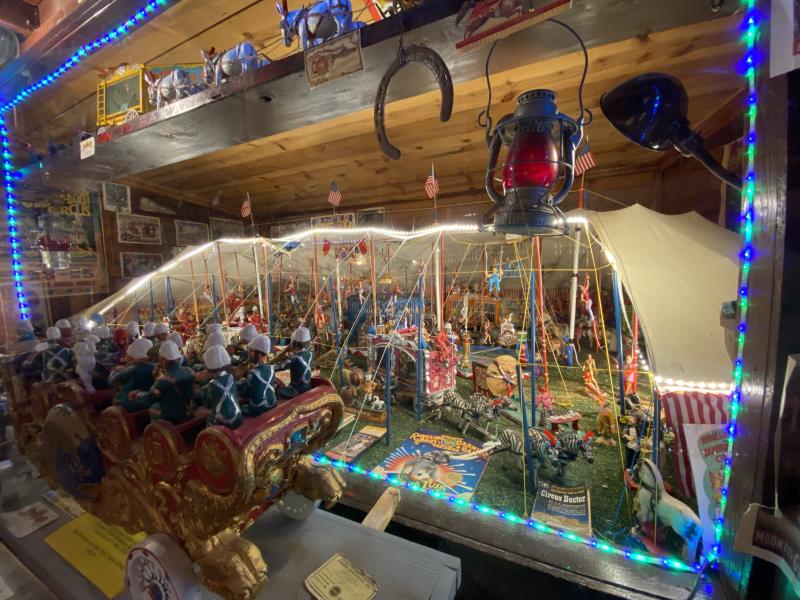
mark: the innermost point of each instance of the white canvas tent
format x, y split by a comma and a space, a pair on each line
677, 271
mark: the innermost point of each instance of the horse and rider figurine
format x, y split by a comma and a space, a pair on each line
318, 23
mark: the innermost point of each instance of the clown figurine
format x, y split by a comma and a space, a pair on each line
171, 393
257, 386
219, 394
292, 291
494, 278
299, 364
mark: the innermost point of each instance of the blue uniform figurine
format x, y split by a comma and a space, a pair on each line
135, 380
219, 394
173, 390
51, 361
242, 352
257, 386
299, 364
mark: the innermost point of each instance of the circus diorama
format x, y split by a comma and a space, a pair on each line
307, 340
529, 363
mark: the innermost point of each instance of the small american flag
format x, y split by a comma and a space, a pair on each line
583, 158
334, 196
432, 185
246, 208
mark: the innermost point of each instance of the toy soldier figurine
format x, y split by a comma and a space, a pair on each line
171, 393
257, 386
105, 345
149, 332
65, 328
52, 361
133, 331
299, 364
25, 331
160, 333
134, 380
241, 352
219, 394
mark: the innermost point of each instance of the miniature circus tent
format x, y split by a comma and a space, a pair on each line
677, 270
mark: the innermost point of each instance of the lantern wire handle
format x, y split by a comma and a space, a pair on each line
487, 112
583, 111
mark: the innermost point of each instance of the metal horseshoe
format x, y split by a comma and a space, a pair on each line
429, 58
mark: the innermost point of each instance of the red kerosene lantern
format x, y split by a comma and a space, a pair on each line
541, 152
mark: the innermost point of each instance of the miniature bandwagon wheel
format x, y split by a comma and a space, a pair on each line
159, 569
501, 376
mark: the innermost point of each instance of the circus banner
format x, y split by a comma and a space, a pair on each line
69, 221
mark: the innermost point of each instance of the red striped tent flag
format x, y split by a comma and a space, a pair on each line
246, 208
432, 185
334, 196
583, 158
691, 407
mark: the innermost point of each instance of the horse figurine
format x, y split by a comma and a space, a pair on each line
169, 87
655, 506
317, 23
234, 62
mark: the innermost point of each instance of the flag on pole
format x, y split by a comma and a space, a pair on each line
432, 185
583, 158
334, 196
246, 208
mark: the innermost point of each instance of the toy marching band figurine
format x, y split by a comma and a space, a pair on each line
25, 331
170, 395
51, 361
65, 328
160, 333
219, 394
291, 290
494, 278
84, 365
241, 352
486, 332
134, 380
149, 332
299, 364
257, 386
133, 331
106, 345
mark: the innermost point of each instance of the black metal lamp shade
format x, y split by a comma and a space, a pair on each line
651, 111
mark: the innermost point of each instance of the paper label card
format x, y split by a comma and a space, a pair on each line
26, 520
337, 579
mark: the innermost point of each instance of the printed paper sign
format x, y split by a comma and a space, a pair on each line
28, 519
561, 506
707, 446
87, 148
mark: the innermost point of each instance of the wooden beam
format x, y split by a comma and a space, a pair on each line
19, 16
179, 196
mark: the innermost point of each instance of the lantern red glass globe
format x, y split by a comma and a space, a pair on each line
541, 152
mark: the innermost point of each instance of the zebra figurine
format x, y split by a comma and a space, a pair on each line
470, 411
571, 446
543, 445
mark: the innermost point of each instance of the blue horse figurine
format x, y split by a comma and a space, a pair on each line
317, 23
170, 87
235, 62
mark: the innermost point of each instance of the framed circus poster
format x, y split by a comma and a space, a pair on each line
342, 220
116, 198
136, 264
138, 229
371, 217
225, 228
189, 233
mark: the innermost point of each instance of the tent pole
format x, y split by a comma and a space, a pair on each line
214, 311
152, 302
437, 273
222, 283
531, 351
538, 246
267, 289
336, 315
388, 394
373, 283
420, 345
635, 353
573, 297
258, 283
168, 290
620, 358
194, 294
526, 434
656, 425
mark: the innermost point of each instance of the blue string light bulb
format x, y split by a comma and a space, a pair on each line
9, 174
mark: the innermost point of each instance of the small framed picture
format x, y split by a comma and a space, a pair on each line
116, 198
189, 233
138, 229
136, 264
371, 217
343, 220
225, 228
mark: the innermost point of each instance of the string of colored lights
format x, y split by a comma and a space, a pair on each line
9, 174
750, 37
457, 502
748, 217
